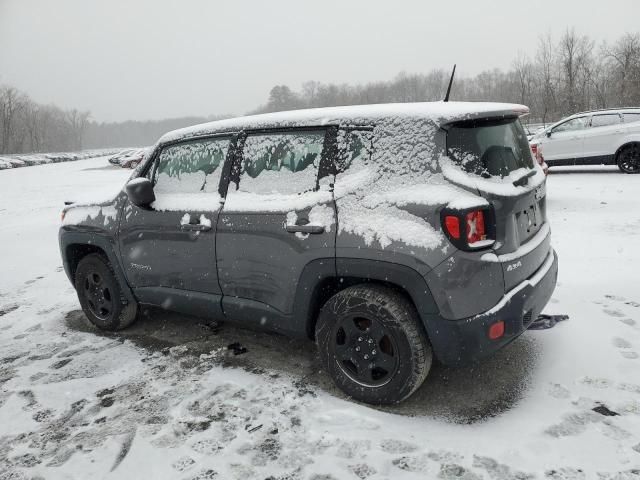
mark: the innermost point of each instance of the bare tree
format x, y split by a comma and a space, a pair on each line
11, 104
523, 70
624, 56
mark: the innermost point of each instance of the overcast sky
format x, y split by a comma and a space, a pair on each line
151, 59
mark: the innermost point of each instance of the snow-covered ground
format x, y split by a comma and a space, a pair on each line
167, 399
31, 159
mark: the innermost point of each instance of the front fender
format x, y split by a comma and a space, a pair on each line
69, 237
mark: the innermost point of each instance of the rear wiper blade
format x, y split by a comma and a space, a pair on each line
523, 180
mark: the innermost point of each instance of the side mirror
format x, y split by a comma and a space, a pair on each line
140, 192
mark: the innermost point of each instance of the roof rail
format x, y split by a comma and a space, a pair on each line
606, 110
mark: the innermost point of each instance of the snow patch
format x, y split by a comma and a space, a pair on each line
195, 202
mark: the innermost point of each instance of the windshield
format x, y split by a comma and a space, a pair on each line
490, 148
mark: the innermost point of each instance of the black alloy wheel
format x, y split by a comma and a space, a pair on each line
365, 350
629, 159
98, 295
101, 296
373, 344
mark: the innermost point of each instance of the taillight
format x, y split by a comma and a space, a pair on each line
452, 225
476, 229
469, 229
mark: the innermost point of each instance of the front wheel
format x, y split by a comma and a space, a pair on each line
628, 159
373, 344
101, 296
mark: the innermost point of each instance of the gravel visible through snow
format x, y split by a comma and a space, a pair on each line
168, 398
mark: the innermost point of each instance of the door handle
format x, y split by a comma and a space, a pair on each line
314, 229
195, 227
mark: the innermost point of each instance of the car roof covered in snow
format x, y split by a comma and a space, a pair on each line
439, 113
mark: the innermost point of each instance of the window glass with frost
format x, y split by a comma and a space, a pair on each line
631, 117
354, 161
605, 120
355, 149
280, 163
191, 167
572, 125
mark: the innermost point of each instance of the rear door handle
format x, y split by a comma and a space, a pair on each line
195, 227
305, 229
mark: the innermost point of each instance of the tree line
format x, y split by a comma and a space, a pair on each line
563, 76
26, 126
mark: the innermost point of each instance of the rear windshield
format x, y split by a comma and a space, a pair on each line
490, 148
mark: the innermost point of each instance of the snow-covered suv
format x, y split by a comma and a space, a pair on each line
608, 137
390, 234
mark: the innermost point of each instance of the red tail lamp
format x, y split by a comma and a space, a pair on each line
452, 224
496, 330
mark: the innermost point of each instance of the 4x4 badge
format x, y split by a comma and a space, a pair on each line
513, 266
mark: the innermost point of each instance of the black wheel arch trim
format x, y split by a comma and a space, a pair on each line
94, 242
322, 278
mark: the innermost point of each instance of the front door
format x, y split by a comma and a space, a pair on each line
277, 218
170, 247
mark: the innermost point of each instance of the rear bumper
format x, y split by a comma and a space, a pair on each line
458, 342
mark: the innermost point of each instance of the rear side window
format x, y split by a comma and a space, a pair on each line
631, 117
490, 148
356, 148
605, 120
281, 163
191, 167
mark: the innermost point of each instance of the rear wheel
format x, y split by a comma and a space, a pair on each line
372, 343
628, 159
101, 296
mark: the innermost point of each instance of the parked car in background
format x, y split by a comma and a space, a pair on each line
129, 158
532, 128
392, 235
115, 159
601, 137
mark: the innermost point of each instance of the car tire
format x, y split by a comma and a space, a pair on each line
628, 158
372, 343
101, 296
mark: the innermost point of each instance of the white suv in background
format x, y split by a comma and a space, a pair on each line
601, 137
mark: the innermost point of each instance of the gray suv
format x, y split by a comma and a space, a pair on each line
392, 235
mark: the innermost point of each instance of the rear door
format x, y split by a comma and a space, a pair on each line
602, 137
278, 217
565, 144
172, 244
496, 154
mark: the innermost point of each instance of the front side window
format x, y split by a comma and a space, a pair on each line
571, 125
489, 147
605, 120
280, 163
191, 167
